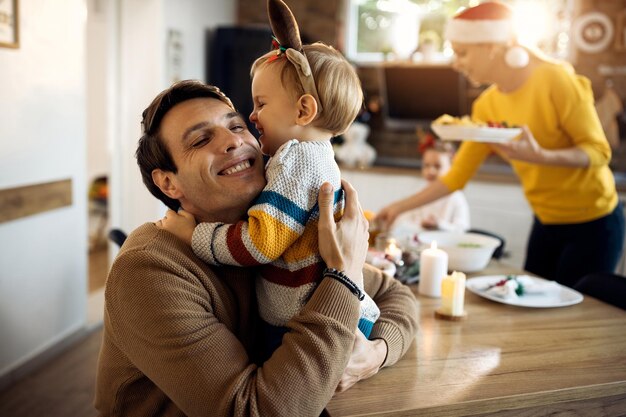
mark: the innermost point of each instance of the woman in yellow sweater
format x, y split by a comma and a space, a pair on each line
561, 158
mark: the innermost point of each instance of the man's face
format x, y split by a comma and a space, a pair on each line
220, 167
275, 109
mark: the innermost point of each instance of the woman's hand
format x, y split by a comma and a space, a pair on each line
525, 148
365, 361
385, 217
343, 245
179, 224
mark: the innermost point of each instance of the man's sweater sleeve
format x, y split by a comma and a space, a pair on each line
397, 324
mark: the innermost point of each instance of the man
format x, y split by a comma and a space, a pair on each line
180, 337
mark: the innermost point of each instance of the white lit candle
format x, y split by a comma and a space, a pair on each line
433, 267
393, 251
453, 295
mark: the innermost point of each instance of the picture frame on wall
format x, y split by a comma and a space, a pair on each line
9, 24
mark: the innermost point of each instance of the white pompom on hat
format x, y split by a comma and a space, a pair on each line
489, 22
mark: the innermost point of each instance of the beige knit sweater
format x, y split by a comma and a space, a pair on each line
180, 337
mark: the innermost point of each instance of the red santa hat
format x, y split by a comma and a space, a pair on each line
489, 22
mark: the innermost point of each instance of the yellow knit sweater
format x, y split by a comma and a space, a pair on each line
179, 337
557, 105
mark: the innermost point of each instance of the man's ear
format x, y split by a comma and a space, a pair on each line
307, 109
165, 181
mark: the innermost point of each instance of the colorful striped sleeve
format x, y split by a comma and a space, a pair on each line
279, 215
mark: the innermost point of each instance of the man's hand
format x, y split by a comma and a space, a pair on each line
365, 361
343, 245
179, 224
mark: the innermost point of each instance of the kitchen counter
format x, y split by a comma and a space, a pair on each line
496, 173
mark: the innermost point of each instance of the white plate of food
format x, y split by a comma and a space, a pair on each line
523, 291
476, 133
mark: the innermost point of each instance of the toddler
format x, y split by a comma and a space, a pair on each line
449, 213
303, 96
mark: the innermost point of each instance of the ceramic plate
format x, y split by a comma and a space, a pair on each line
476, 134
556, 296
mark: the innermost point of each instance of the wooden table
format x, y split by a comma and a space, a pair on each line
502, 360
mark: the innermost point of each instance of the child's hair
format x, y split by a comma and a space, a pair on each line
337, 83
428, 141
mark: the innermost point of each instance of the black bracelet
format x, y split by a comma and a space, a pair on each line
343, 278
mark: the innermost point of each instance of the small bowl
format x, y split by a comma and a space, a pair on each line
467, 252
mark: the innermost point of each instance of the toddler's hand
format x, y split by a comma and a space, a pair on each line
430, 223
179, 224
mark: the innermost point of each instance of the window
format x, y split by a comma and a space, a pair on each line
414, 29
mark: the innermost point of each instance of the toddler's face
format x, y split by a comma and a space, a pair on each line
275, 109
434, 164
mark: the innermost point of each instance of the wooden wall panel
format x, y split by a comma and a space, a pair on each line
25, 201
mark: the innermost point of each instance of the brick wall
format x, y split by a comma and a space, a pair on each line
613, 56
319, 20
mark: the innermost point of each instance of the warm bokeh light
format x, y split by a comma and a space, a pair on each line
532, 21
405, 34
406, 25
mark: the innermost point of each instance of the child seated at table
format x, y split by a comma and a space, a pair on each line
449, 213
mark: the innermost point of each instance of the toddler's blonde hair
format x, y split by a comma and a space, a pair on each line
338, 84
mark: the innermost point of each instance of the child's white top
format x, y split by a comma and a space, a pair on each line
452, 213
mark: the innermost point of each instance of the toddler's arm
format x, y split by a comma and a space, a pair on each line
279, 216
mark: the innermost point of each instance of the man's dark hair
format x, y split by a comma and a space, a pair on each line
152, 153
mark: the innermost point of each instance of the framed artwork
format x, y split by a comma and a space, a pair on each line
9, 31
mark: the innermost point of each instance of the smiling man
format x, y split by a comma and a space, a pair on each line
181, 337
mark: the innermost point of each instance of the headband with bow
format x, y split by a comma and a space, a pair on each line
288, 43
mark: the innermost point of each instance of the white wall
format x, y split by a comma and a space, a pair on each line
101, 52
43, 258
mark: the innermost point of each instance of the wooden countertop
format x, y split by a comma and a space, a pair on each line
503, 175
504, 359
493, 173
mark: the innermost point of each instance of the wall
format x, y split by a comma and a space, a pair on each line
613, 56
42, 138
100, 50
606, 68
318, 20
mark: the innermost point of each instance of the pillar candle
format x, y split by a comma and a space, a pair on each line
433, 267
393, 252
453, 294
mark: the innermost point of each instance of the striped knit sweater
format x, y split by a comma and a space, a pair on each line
281, 233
